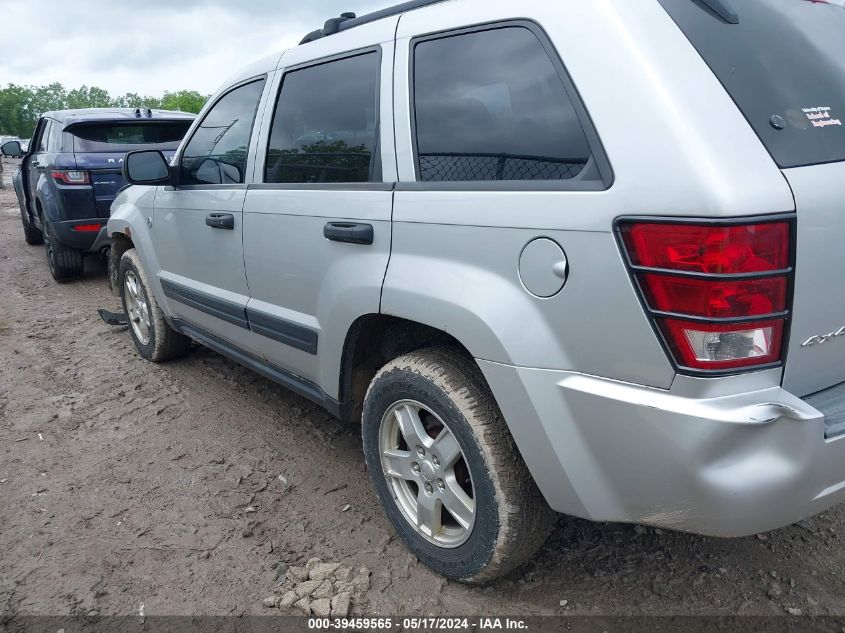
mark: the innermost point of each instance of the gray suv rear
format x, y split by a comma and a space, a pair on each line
578, 257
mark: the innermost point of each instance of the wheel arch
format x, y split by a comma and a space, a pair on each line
372, 341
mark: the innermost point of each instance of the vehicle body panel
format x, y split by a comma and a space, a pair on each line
715, 168
730, 465
819, 303
202, 262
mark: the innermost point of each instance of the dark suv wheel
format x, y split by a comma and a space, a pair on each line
446, 469
65, 263
32, 235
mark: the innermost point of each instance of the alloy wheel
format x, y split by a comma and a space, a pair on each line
137, 307
427, 473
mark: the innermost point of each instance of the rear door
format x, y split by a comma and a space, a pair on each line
198, 227
784, 65
317, 227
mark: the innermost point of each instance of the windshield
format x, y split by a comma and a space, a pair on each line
121, 137
784, 66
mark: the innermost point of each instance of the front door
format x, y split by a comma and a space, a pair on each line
317, 229
198, 228
35, 163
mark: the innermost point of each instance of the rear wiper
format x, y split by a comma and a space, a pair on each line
723, 9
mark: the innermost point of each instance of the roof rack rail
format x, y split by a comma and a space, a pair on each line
723, 9
348, 21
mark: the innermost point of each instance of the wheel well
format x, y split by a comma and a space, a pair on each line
120, 243
376, 339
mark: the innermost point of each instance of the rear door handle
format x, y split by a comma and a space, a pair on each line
35, 163
220, 221
350, 232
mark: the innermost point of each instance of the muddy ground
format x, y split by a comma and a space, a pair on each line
190, 487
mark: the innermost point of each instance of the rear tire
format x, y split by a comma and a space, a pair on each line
500, 518
32, 235
65, 263
154, 339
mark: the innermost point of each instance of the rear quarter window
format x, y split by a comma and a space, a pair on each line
120, 137
490, 105
784, 66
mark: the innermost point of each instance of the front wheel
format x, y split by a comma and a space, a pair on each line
446, 469
154, 339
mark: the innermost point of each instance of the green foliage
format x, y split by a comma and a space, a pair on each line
20, 106
184, 100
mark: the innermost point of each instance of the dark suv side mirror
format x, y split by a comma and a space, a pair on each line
146, 167
12, 149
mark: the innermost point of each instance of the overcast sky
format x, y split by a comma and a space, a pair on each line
149, 46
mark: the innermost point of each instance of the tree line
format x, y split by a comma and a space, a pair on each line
20, 106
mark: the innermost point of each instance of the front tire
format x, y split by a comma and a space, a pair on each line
65, 263
446, 469
154, 339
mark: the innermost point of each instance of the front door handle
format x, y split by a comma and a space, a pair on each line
220, 221
350, 232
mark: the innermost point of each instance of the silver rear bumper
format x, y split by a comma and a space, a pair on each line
724, 465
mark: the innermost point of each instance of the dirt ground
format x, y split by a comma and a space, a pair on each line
191, 488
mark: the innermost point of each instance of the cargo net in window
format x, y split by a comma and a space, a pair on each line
462, 167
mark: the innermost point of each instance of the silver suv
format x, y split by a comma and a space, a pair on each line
582, 257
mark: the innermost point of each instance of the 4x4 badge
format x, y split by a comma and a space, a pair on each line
823, 338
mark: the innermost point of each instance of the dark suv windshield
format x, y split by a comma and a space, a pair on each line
784, 66
123, 137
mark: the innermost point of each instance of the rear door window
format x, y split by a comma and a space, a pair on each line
325, 126
783, 65
491, 105
125, 137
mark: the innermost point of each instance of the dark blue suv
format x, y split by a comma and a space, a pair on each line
73, 171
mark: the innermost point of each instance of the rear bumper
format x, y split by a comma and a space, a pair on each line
88, 241
727, 465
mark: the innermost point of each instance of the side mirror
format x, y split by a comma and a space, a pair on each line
146, 167
12, 148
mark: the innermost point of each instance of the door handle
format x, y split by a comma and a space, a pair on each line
350, 232
220, 221
35, 163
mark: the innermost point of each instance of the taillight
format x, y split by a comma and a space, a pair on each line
88, 228
718, 293
72, 177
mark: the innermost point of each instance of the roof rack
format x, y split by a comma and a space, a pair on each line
348, 21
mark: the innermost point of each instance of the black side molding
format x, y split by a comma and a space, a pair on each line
283, 331
286, 332
350, 232
213, 306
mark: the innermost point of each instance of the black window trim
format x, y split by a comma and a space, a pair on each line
593, 140
181, 155
376, 174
